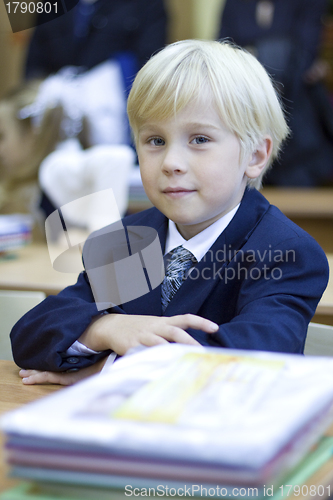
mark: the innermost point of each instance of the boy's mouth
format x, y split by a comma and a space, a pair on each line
177, 190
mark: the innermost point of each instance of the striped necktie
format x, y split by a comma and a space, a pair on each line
179, 261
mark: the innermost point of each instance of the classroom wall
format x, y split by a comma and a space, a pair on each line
193, 18
180, 19
206, 18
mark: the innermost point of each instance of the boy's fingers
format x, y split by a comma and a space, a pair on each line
49, 378
31, 377
180, 337
151, 340
191, 321
26, 373
175, 334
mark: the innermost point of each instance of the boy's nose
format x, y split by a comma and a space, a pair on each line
174, 162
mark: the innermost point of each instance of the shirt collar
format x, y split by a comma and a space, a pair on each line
200, 243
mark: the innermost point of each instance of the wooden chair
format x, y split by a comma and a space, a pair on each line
13, 305
319, 340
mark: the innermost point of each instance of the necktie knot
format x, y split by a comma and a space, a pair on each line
179, 261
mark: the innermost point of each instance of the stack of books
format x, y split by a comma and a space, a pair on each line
178, 421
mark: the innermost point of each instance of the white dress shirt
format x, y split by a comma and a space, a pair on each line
200, 243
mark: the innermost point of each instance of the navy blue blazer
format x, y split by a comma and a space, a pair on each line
260, 281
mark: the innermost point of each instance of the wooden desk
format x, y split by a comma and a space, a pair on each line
313, 203
325, 306
31, 269
324, 312
311, 209
13, 394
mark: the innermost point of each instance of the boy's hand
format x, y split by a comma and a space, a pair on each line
32, 377
121, 332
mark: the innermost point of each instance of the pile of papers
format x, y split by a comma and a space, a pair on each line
15, 231
209, 420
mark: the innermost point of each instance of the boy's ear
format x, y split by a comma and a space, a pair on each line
259, 158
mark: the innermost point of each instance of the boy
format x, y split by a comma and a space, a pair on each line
207, 123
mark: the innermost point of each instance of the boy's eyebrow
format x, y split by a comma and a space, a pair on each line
190, 124
204, 125
147, 127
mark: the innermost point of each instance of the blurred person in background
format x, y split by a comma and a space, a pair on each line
95, 31
101, 44
285, 36
22, 149
44, 159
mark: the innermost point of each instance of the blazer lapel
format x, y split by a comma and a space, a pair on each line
150, 303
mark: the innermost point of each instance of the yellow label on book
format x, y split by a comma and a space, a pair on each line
196, 379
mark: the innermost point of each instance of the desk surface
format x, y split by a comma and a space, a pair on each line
301, 202
13, 394
293, 202
31, 269
325, 306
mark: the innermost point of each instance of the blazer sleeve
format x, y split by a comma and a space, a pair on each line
41, 336
277, 297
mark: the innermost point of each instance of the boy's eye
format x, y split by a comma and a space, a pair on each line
156, 141
200, 140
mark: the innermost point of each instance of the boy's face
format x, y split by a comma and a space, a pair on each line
190, 167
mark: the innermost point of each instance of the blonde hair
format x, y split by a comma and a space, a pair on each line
190, 70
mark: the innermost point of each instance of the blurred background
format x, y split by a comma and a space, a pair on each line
187, 19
